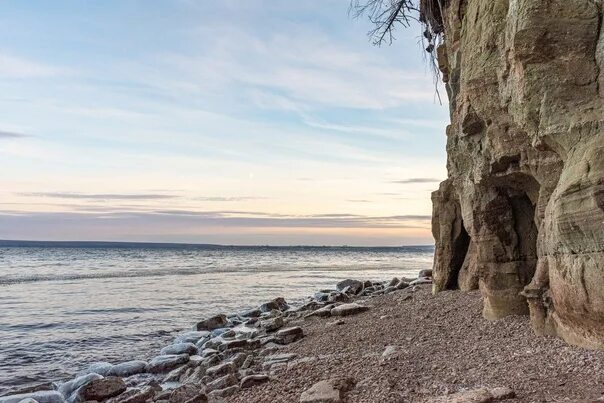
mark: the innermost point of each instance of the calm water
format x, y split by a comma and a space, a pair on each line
62, 308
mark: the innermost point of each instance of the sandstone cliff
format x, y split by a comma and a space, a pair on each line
521, 215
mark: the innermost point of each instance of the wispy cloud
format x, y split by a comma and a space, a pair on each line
229, 199
417, 180
11, 135
99, 196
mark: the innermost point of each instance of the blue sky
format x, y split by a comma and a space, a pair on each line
238, 122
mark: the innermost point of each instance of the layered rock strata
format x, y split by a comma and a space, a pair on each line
521, 214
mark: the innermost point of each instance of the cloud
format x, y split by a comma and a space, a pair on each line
229, 199
98, 196
11, 135
417, 180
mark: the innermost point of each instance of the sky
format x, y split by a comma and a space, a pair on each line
270, 122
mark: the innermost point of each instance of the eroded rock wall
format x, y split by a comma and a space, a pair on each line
522, 213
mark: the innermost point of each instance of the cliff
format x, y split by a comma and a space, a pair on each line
521, 215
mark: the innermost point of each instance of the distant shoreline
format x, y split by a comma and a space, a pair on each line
175, 245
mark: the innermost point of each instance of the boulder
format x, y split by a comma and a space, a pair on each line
128, 368
328, 391
101, 368
215, 322
101, 389
223, 382
221, 369
180, 348
187, 392
43, 396
166, 363
348, 309
481, 395
289, 335
252, 380
191, 337
273, 324
278, 304
355, 286
425, 273
68, 388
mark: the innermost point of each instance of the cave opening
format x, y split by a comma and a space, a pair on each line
461, 244
525, 252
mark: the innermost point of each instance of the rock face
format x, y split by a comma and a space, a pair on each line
521, 215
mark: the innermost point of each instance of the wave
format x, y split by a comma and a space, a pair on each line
163, 272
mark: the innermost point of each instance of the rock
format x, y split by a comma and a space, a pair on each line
502, 393
177, 373
252, 380
215, 322
421, 281
425, 273
389, 353
278, 358
289, 335
233, 344
191, 337
355, 286
43, 396
221, 369
101, 368
28, 400
221, 393
187, 392
277, 304
338, 297
224, 382
394, 282
348, 309
136, 395
68, 388
329, 391
481, 395
523, 205
101, 389
128, 368
238, 359
402, 285
180, 348
322, 312
273, 324
166, 363
252, 313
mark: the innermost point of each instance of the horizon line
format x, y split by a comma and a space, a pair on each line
100, 243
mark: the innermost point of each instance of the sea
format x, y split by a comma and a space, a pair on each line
66, 305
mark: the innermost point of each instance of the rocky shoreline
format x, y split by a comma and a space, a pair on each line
220, 356
389, 341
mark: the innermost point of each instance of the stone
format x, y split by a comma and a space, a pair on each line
502, 393
43, 396
273, 324
425, 273
402, 285
187, 392
233, 344
215, 322
68, 388
101, 389
420, 281
128, 368
328, 391
223, 382
177, 373
222, 393
28, 400
338, 297
393, 282
322, 312
191, 337
253, 380
221, 369
166, 363
101, 368
522, 208
278, 304
481, 395
180, 348
289, 335
348, 309
355, 286
238, 359
252, 313
389, 353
